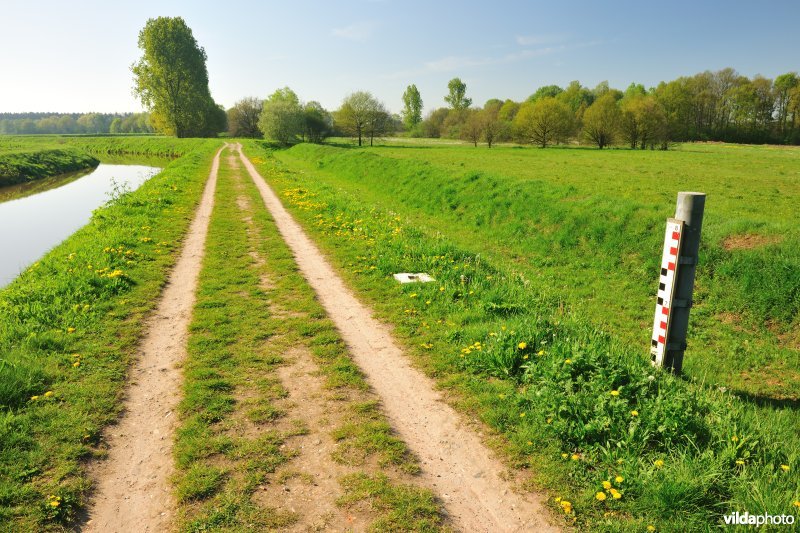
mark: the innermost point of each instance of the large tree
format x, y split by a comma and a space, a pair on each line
361, 114
544, 122
601, 120
243, 118
282, 116
317, 122
457, 95
412, 107
172, 81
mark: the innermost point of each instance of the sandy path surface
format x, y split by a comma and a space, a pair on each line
133, 492
455, 462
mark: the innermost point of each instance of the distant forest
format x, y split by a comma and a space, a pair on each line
74, 123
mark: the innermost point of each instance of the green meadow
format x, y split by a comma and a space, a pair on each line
546, 264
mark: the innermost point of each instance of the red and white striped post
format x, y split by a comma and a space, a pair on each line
676, 282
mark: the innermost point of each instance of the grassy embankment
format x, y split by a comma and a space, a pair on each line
242, 432
68, 328
583, 406
23, 166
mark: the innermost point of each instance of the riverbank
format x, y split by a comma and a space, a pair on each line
25, 166
68, 328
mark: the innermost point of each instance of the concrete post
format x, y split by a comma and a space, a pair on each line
689, 209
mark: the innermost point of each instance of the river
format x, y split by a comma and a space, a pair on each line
36, 216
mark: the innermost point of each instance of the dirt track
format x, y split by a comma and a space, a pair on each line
455, 462
133, 491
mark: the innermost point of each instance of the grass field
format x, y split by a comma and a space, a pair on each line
24, 166
585, 227
546, 265
68, 327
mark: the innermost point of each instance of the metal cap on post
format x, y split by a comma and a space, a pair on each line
689, 209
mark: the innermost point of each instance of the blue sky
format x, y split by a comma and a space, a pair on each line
75, 56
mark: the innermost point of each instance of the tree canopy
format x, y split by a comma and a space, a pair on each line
282, 116
171, 80
456, 97
243, 118
412, 107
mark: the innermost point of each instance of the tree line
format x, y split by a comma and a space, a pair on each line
74, 123
709, 106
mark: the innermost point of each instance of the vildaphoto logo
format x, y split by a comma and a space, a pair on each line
746, 519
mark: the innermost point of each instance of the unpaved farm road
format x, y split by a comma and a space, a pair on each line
133, 492
455, 462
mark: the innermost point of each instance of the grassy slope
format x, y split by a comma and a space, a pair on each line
233, 437
68, 327
577, 403
586, 226
21, 166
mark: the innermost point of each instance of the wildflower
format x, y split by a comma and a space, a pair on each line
614, 393
615, 494
575, 456
619, 479
76, 364
48, 394
606, 485
563, 455
413, 295
549, 420
634, 413
601, 496
441, 289
530, 443
651, 528
659, 463
70, 330
34, 398
734, 439
796, 504
540, 352
785, 468
427, 302
522, 415
566, 506
522, 345
740, 462
568, 361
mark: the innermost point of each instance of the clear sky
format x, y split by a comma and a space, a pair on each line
75, 56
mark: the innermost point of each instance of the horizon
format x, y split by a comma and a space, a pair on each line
383, 46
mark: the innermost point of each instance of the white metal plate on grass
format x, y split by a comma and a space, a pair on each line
421, 277
666, 288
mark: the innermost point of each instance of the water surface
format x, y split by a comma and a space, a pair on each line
35, 217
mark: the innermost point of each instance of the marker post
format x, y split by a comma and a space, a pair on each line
676, 282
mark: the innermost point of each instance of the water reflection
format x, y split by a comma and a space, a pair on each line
40, 216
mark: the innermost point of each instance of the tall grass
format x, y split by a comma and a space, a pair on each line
22, 166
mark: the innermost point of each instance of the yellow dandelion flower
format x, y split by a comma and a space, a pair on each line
530, 443
540, 352
634, 413
659, 463
70, 330
566, 506
615, 494
54, 503
601, 496
651, 528
785, 468
522, 415
549, 420
614, 393
48, 394
34, 398
606, 485
563, 455
441, 289
522, 345
413, 295
734, 439
567, 361
619, 479
740, 462
575, 456
76, 364
797, 503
